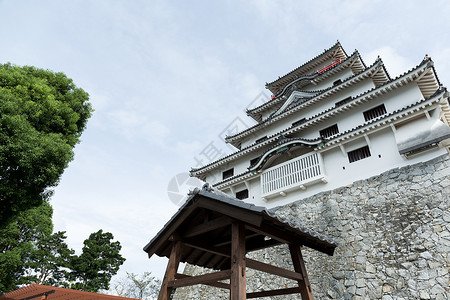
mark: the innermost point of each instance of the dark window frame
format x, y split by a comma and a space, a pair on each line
329, 131
358, 154
227, 173
241, 195
374, 112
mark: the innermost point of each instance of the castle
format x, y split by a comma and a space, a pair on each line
359, 156
330, 122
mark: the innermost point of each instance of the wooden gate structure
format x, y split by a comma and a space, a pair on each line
215, 231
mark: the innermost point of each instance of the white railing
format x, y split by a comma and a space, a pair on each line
292, 174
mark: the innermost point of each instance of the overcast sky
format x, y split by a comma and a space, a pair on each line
166, 78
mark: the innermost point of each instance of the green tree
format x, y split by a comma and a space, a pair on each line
17, 240
144, 286
49, 260
99, 261
42, 115
30, 253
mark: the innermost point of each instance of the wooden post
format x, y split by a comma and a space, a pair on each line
299, 266
238, 276
171, 271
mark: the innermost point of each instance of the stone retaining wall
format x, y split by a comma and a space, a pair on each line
393, 232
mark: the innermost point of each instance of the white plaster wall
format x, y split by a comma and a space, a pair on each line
329, 81
383, 146
384, 156
394, 100
312, 110
240, 165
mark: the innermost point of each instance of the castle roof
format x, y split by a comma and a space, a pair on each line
427, 82
424, 74
335, 52
355, 62
277, 115
371, 125
205, 218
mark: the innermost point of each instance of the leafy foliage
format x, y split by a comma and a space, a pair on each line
30, 253
99, 261
17, 241
144, 286
42, 115
49, 260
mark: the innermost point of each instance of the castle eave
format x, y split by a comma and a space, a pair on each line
336, 51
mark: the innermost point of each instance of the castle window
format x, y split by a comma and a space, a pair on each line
374, 112
228, 173
242, 194
358, 154
329, 131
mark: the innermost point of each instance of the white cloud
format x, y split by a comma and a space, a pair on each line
440, 55
136, 126
396, 64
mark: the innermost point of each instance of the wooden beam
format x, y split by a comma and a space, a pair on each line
259, 242
200, 279
274, 233
287, 237
238, 276
221, 263
232, 211
203, 259
202, 245
208, 226
220, 285
286, 291
167, 233
212, 261
226, 239
253, 264
171, 270
299, 266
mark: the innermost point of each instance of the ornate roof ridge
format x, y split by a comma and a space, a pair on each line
356, 97
438, 92
227, 156
335, 46
374, 65
283, 142
320, 92
252, 110
315, 116
428, 59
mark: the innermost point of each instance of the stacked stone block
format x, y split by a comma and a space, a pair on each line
393, 232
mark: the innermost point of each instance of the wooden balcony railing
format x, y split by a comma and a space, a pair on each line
293, 174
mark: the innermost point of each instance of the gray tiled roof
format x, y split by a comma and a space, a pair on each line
219, 204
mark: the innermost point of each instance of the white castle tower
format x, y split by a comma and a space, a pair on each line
330, 122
